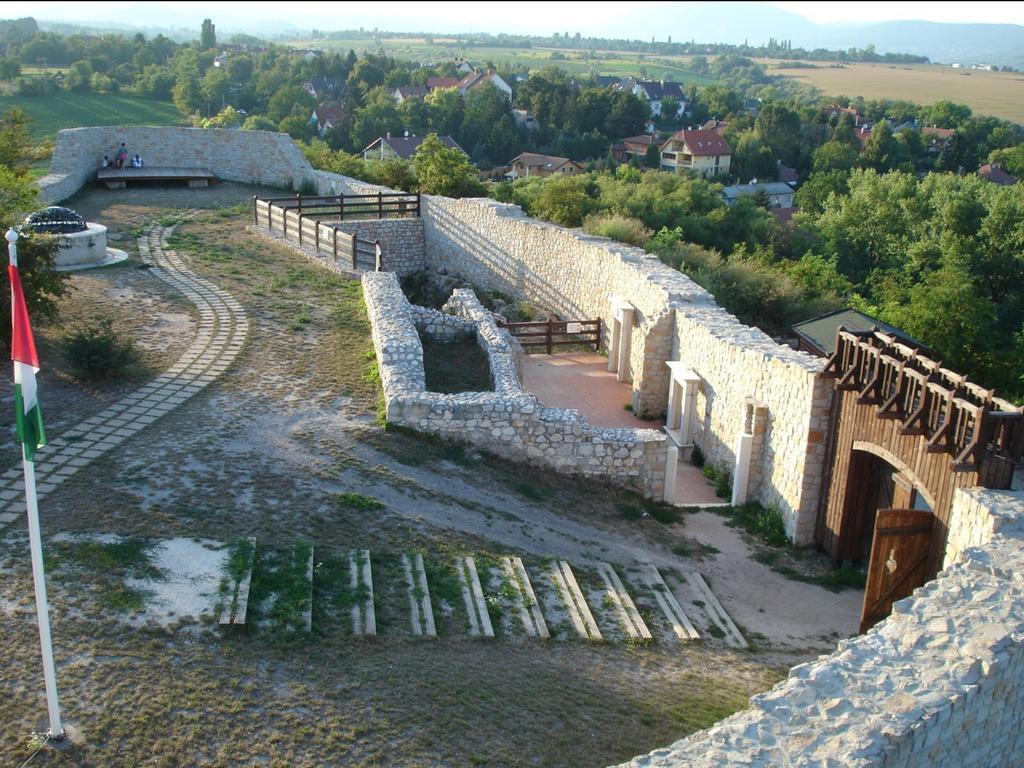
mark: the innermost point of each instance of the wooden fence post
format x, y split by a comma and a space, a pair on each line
335, 248
284, 221
355, 252
270, 216
380, 205
254, 220
316, 233
417, 205
597, 341
549, 330
341, 209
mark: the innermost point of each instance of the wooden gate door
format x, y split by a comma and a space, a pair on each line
899, 561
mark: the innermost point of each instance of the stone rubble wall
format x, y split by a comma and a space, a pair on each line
441, 326
401, 241
939, 684
511, 424
253, 157
978, 514
494, 341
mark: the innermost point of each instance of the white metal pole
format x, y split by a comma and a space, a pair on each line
38, 577
42, 606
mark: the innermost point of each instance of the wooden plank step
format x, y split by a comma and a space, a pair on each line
629, 616
570, 605
308, 613
414, 604
426, 609
239, 605
478, 596
576, 595
467, 598
517, 597
534, 604
682, 627
715, 611
364, 619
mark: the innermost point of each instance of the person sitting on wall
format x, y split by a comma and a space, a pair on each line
122, 156
137, 161
106, 162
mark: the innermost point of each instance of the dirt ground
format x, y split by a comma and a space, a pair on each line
267, 451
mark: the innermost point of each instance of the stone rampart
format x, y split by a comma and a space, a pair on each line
254, 157
401, 241
441, 326
508, 423
496, 343
939, 684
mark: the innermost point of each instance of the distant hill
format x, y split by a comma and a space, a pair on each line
998, 44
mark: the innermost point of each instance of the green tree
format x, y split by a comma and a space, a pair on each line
834, 156
214, 88
563, 200
752, 158
207, 36
779, 127
291, 99
444, 171
946, 114
881, 151
15, 145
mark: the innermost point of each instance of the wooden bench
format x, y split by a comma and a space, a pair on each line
118, 178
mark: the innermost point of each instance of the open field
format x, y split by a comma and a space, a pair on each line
61, 110
1000, 94
620, 63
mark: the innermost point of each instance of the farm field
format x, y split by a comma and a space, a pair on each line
71, 110
620, 63
1000, 94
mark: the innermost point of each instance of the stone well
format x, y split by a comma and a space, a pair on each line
80, 243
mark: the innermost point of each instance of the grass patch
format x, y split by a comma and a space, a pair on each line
358, 501
639, 508
279, 594
65, 109
106, 565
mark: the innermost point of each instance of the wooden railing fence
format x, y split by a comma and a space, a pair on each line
298, 219
556, 333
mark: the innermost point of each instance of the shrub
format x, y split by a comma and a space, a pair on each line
95, 350
307, 187
697, 457
618, 227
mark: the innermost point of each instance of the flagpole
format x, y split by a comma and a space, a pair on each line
38, 577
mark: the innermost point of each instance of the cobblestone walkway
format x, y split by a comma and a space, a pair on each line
223, 328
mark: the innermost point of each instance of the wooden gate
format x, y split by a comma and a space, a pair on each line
556, 333
899, 560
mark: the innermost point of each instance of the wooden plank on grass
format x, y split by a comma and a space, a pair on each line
576, 594
715, 611
426, 609
478, 595
371, 615
682, 627
414, 606
527, 587
467, 598
570, 605
353, 582
627, 603
517, 597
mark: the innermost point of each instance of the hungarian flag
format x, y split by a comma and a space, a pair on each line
28, 416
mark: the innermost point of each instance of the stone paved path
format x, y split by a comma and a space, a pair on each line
223, 328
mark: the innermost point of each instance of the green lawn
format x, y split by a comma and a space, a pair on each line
70, 110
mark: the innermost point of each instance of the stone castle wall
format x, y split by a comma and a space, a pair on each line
253, 157
507, 422
939, 684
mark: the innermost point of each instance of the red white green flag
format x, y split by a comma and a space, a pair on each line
28, 416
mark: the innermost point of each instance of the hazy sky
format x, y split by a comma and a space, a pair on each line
601, 18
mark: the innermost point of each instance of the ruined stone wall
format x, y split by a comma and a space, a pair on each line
253, 157
939, 684
509, 423
401, 241
496, 343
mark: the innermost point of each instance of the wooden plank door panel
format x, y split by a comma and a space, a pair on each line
899, 560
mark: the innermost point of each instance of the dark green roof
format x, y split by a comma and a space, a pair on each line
821, 331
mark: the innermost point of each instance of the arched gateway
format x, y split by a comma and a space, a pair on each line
906, 433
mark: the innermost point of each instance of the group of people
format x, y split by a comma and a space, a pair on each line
121, 159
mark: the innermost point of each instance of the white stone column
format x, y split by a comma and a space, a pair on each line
625, 323
671, 460
741, 475
682, 403
613, 339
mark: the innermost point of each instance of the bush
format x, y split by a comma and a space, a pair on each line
697, 457
96, 351
621, 228
307, 188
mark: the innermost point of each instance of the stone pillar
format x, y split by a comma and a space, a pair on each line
621, 338
749, 447
682, 403
613, 337
671, 460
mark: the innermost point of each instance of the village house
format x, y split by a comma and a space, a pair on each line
406, 92
780, 194
528, 165
716, 125
703, 152
935, 138
324, 88
402, 147
475, 80
434, 83
995, 173
655, 92
326, 116
625, 150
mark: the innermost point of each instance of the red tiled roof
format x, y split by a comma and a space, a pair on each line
996, 175
700, 143
718, 126
939, 133
442, 82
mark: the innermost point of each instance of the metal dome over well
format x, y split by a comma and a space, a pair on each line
55, 220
